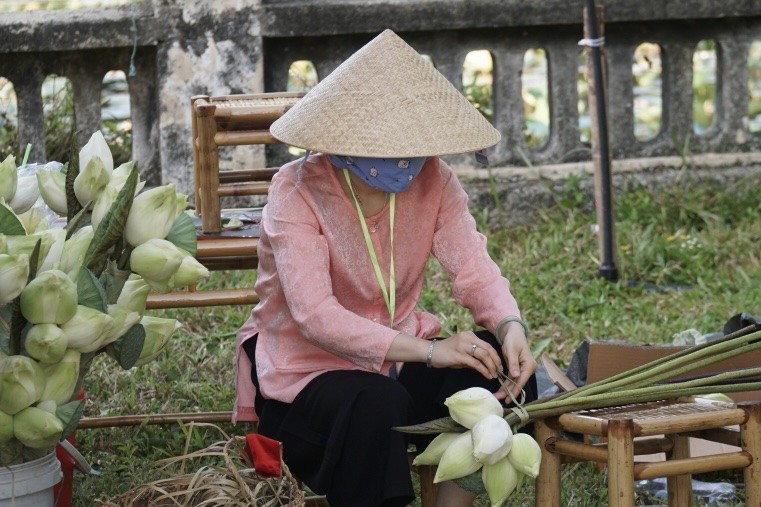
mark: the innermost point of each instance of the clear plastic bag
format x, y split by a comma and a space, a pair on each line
713, 494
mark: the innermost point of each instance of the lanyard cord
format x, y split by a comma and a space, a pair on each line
389, 296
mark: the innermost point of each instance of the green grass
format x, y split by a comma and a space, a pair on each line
688, 258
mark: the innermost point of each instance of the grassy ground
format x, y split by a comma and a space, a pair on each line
688, 258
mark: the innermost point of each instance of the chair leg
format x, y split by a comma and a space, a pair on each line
620, 463
679, 486
750, 437
428, 489
547, 484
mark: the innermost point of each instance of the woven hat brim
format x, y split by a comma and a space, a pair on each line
385, 101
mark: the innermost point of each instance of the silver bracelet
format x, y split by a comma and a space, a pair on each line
430, 353
506, 321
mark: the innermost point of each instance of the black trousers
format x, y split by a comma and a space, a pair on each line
337, 434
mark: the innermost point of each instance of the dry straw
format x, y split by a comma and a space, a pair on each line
235, 483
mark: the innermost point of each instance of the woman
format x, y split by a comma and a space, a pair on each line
340, 353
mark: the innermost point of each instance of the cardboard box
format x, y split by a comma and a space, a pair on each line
610, 358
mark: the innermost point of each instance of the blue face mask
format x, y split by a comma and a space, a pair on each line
388, 174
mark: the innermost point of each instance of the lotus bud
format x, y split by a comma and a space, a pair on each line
152, 214
46, 343
134, 294
52, 186
21, 383
91, 181
86, 328
457, 460
500, 480
157, 334
525, 455
120, 175
74, 250
432, 454
14, 271
182, 204
48, 406
51, 298
61, 378
469, 406
716, 397
25, 244
121, 321
6, 427
27, 193
492, 439
36, 428
32, 220
8, 178
189, 272
96, 147
156, 260
103, 205
52, 258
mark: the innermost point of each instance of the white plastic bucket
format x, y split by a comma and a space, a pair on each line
30, 484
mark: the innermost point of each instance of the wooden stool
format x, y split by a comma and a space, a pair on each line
668, 424
232, 120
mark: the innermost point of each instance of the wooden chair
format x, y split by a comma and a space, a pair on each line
232, 120
667, 427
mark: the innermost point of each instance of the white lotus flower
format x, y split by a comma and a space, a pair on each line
14, 271
74, 250
103, 205
53, 256
32, 219
156, 260
51, 298
91, 181
27, 193
469, 406
6, 427
525, 455
152, 214
96, 147
21, 383
61, 378
134, 294
157, 334
120, 175
457, 460
36, 428
121, 321
8, 178
432, 454
500, 480
189, 272
492, 439
86, 327
52, 186
46, 343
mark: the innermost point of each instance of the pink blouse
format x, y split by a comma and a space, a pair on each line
321, 308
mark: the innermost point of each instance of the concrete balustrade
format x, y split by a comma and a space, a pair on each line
221, 48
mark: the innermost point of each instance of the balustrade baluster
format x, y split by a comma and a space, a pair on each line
677, 93
508, 105
28, 88
86, 84
620, 100
562, 59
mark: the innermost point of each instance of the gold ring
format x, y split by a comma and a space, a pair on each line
473, 350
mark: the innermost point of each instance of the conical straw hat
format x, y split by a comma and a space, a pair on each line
388, 101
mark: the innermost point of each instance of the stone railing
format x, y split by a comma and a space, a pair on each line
217, 47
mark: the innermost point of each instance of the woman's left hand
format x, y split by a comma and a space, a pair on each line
520, 361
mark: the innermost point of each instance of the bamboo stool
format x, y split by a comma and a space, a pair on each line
668, 426
232, 120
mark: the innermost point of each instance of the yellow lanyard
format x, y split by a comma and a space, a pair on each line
389, 296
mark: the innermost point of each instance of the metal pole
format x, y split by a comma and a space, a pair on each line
597, 88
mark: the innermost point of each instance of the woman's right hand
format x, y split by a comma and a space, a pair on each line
466, 350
